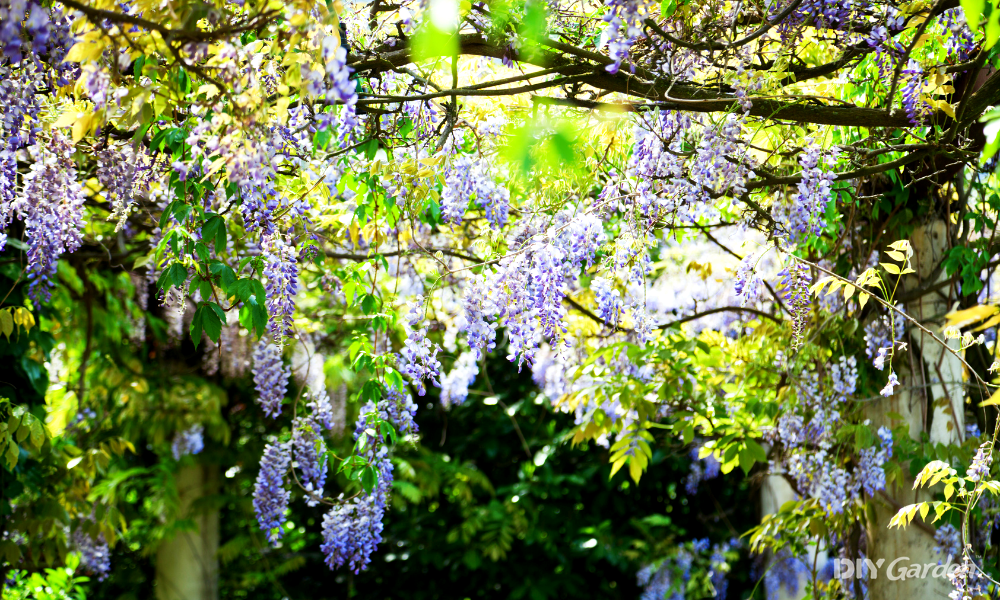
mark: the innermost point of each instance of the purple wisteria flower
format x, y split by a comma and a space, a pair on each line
188, 441
469, 178
352, 530
455, 385
270, 376
913, 103
270, 498
95, 556
309, 450
418, 358
51, 206
282, 274
980, 467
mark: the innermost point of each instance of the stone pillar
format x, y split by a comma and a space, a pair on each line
187, 566
931, 398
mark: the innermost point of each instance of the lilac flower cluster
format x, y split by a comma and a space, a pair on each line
455, 385
794, 281
418, 359
51, 206
270, 377
95, 556
270, 498
468, 178
805, 216
188, 441
309, 451
282, 274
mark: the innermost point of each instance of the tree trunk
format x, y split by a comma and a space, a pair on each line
930, 399
187, 565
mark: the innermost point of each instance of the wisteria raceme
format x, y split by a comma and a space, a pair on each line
12, 13
980, 467
794, 292
8, 175
805, 215
960, 42
701, 470
747, 282
419, 354
548, 289
870, 473
468, 178
282, 274
188, 441
624, 27
270, 376
96, 82
270, 498
352, 530
309, 449
321, 407
892, 382
95, 556
116, 169
784, 572
948, 542
455, 385
670, 575
914, 105
400, 410
19, 106
609, 301
968, 579
579, 239
477, 314
51, 206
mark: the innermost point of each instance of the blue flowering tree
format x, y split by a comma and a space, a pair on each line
765, 226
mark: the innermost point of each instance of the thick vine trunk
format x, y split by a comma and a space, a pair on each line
187, 565
931, 399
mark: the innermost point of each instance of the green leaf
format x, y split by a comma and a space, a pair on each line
11, 454
369, 479
756, 451
214, 230
973, 11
